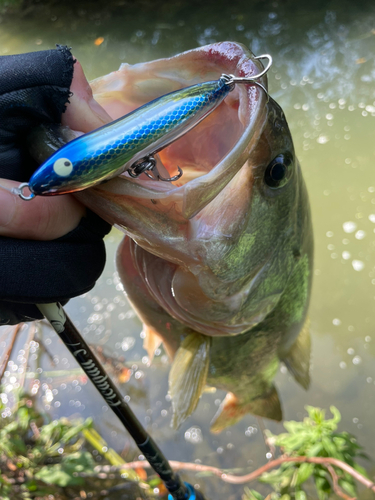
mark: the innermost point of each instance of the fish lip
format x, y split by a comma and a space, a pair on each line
195, 194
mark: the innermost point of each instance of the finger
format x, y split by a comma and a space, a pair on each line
83, 112
43, 218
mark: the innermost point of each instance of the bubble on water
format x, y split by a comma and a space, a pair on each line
349, 226
358, 265
193, 435
360, 234
369, 380
329, 116
357, 360
268, 455
251, 430
329, 234
372, 217
342, 365
322, 139
368, 338
350, 351
127, 343
346, 255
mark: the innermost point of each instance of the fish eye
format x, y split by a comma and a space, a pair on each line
63, 167
278, 171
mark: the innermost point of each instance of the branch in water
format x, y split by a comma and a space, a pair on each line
230, 478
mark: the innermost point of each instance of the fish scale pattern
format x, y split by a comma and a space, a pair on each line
132, 134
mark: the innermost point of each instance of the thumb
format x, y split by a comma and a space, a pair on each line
82, 112
42, 218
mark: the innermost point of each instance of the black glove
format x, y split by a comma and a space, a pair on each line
34, 89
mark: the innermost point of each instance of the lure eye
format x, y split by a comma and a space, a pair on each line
63, 167
278, 171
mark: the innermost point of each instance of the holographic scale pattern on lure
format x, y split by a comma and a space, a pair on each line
130, 142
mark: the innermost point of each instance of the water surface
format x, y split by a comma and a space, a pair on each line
324, 78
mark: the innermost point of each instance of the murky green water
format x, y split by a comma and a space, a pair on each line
324, 78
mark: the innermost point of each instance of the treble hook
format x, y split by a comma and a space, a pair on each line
232, 79
144, 165
170, 179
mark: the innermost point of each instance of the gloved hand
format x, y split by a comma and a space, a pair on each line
51, 248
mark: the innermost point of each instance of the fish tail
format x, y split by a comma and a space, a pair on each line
188, 376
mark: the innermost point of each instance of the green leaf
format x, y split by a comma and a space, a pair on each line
56, 474
336, 414
64, 474
315, 450
330, 448
300, 495
348, 487
292, 426
253, 495
304, 472
323, 488
293, 442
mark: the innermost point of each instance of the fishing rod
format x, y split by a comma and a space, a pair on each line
68, 333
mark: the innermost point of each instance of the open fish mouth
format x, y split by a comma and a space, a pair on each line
213, 152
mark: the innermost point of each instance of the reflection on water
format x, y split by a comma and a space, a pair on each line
323, 77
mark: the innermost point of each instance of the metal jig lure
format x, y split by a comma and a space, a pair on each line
130, 143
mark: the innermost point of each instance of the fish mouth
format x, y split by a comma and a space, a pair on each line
213, 152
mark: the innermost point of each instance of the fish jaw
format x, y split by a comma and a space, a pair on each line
212, 153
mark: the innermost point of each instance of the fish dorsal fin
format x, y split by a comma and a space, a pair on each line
151, 341
297, 359
188, 375
232, 410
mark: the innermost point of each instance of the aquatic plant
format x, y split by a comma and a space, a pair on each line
40, 457
314, 449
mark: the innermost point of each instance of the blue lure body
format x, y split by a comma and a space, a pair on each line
110, 150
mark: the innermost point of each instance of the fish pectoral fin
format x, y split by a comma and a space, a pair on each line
151, 342
233, 410
188, 376
297, 359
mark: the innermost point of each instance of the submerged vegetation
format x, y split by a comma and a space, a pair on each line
43, 459
313, 449
40, 458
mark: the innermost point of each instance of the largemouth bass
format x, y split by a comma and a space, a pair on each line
218, 264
